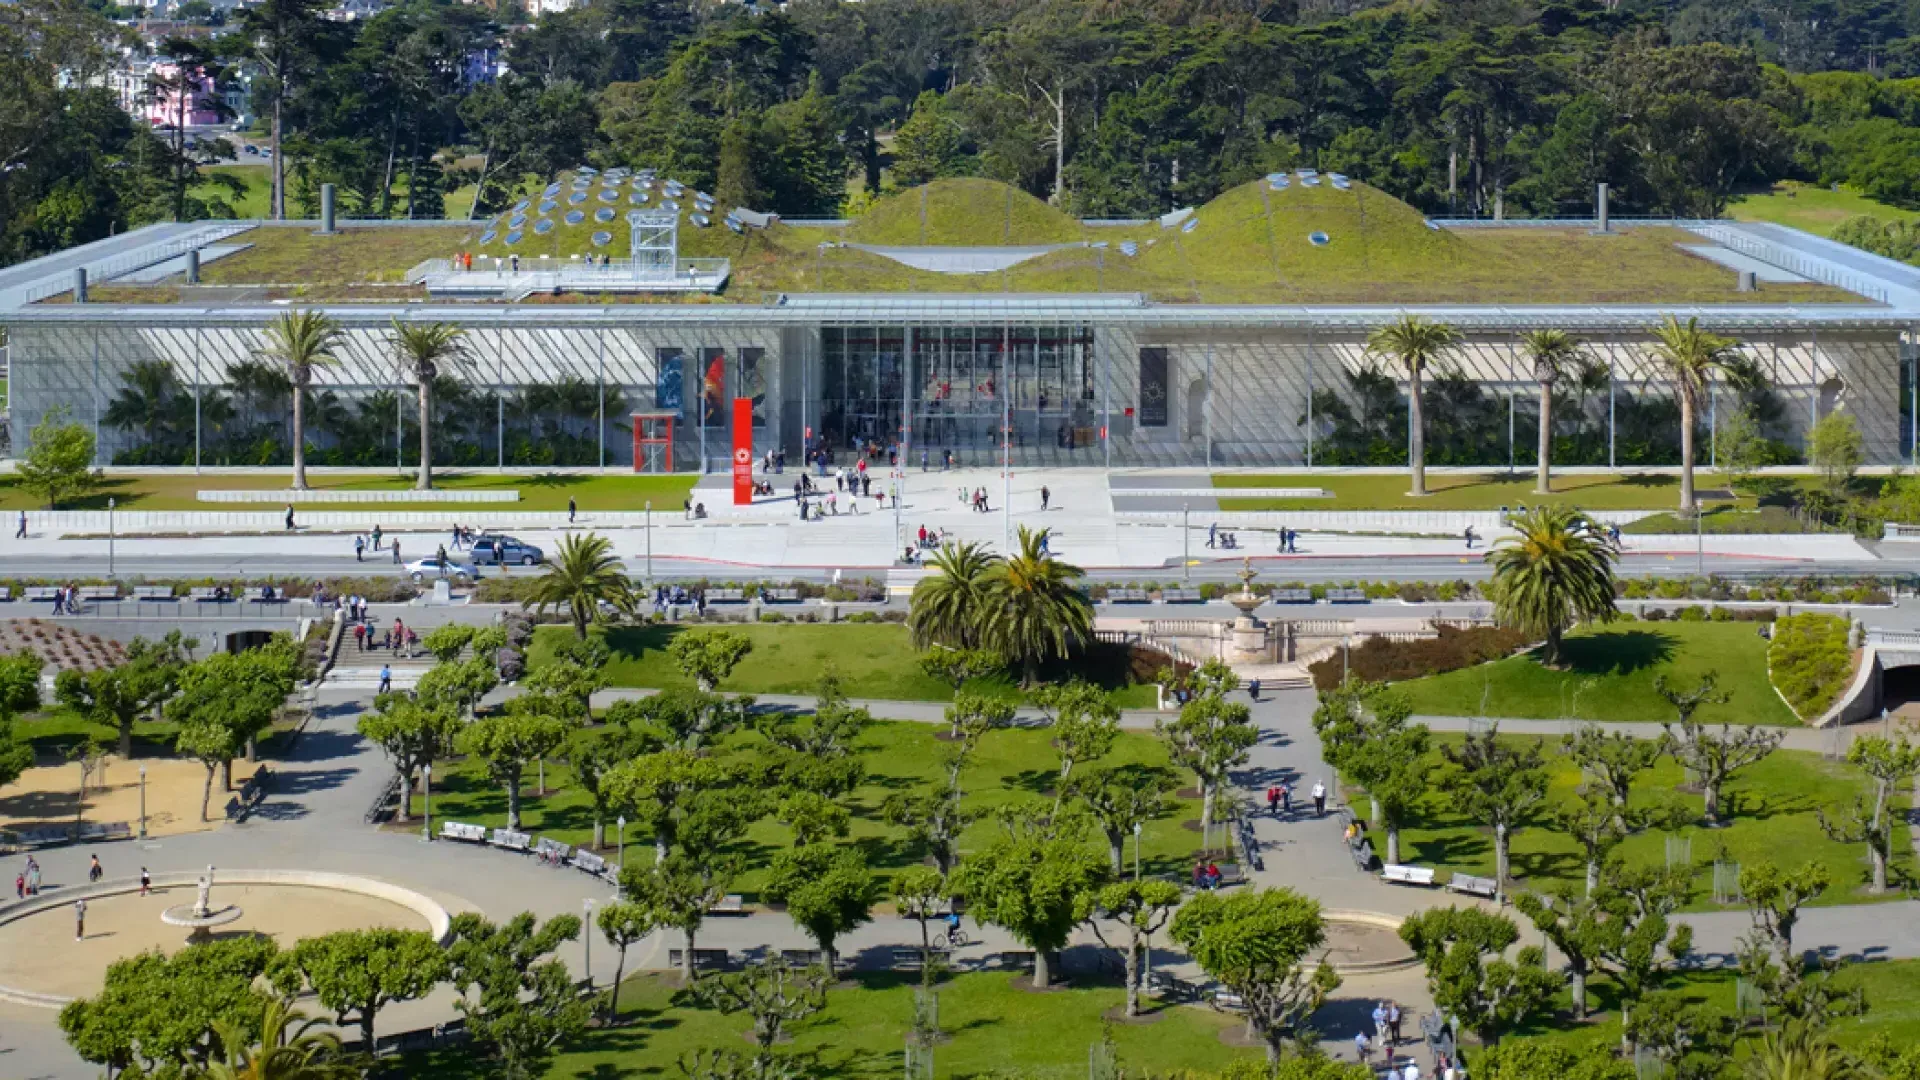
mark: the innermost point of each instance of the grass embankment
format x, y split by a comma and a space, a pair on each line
875, 660
1008, 767
1773, 808
255, 180
281, 255
1455, 491
1811, 208
1609, 673
538, 491
993, 1028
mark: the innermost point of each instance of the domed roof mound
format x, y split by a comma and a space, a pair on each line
963, 213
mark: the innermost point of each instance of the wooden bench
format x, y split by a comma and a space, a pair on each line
1014, 960
703, 959
803, 957
730, 904
99, 592
1474, 886
1397, 874
153, 592
726, 596
512, 841
1180, 596
1173, 988
40, 593
781, 596
454, 830
589, 862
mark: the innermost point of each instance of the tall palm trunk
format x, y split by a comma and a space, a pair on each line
299, 436
1543, 484
1416, 434
425, 482
279, 208
1686, 449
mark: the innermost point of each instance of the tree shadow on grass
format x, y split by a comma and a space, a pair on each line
631, 642
1448, 849
1650, 480
1618, 653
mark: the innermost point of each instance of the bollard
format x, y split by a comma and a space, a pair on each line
326, 209
1600, 205
80, 285
193, 266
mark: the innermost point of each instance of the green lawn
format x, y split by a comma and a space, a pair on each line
538, 491
1609, 675
1457, 491
1009, 766
1811, 208
994, 1029
1773, 807
53, 731
256, 181
875, 660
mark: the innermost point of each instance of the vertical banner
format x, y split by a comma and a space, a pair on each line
742, 451
1153, 388
669, 388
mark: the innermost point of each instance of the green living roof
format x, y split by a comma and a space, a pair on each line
1251, 245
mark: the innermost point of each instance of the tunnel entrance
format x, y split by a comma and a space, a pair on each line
242, 640
1900, 691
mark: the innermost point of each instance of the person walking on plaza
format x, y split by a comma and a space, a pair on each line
386, 678
396, 551
289, 517
1253, 689
573, 509
1361, 1047
1286, 798
21, 532
1045, 496
359, 547
1380, 1024
94, 872
1273, 801
146, 882
1469, 538
1393, 1022
79, 920
1319, 799
376, 537
1213, 534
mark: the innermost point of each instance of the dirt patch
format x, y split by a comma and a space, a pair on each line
49, 796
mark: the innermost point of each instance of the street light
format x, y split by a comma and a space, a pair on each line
1186, 561
1136, 851
587, 938
110, 536
426, 791
622, 871
649, 543
143, 802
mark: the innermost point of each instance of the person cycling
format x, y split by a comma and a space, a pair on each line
953, 928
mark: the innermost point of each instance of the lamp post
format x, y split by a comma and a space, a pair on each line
1186, 569
143, 802
110, 544
1136, 851
622, 860
426, 792
649, 543
586, 938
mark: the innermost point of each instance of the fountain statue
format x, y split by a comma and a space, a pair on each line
200, 916
1249, 643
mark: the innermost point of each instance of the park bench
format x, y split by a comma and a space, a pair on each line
260, 595
206, 594
551, 850
1363, 854
703, 959
454, 830
1016, 960
1346, 596
1474, 886
730, 904
803, 957
726, 596
512, 841
153, 592
1126, 596
1228, 1000
1396, 874
99, 592
1179, 596
43, 837
110, 830
589, 862
780, 596
1231, 874
1171, 987
1292, 596
40, 593
6, 593
908, 959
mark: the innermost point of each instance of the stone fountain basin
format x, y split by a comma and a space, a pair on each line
183, 915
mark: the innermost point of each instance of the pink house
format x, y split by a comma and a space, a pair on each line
161, 105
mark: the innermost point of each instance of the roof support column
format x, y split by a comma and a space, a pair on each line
500, 400
199, 348
600, 411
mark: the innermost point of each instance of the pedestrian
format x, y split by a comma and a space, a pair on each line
948, 459
1412, 1071
1393, 1021
79, 920
33, 877
146, 882
1292, 535
289, 517
94, 872
386, 678
376, 538
59, 601
396, 551
573, 509
923, 459
1273, 801
1319, 799
1213, 534
359, 547
780, 461
1380, 1021
20, 884
21, 532
1045, 496
1360, 1046
1253, 689
866, 483
1286, 798
1469, 538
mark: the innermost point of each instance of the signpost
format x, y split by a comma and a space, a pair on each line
742, 451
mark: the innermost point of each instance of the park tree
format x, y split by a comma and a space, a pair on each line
828, 892
224, 702
1578, 927
1647, 944
58, 461
509, 740
19, 692
448, 640
681, 718
1891, 763
356, 973
934, 819
412, 734
518, 1000
812, 817
956, 667
677, 893
120, 695
1689, 356
157, 1014
577, 671
460, 684
1468, 973
947, 607
592, 754
1035, 610
1257, 945
1613, 761
775, 996
1837, 450
624, 924
1141, 908
920, 893
425, 352
583, 575
1365, 735
1598, 826
1691, 1040
658, 791
299, 343
1036, 887
1123, 798
708, 657
1553, 572
973, 717
1774, 898
1498, 786
1412, 343
1085, 726
1711, 759
1553, 355
1210, 738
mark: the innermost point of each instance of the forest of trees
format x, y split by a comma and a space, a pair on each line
1106, 108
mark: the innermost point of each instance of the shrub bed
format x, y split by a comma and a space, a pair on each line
1381, 660
1811, 661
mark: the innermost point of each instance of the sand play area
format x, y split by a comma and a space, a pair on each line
47, 796
38, 953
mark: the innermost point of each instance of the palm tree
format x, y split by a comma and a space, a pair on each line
1414, 342
946, 607
1690, 356
1034, 609
1554, 353
301, 341
1801, 1051
145, 401
279, 1055
584, 575
422, 349
1557, 571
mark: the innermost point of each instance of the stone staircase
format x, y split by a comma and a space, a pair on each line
356, 670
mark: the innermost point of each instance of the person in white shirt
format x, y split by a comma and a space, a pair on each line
1412, 1071
1319, 799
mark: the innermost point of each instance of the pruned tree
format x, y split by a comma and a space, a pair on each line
518, 1000
1365, 735
828, 892
1122, 799
1035, 887
921, 893
1085, 726
1648, 944
934, 819
1712, 759
812, 817
412, 734
511, 739
687, 719
708, 657
1597, 825
1497, 785
356, 973
1774, 898
624, 924
973, 717
1257, 945
1210, 738
1141, 908
1692, 1041
658, 791
1613, 760
677, 893
1891, 763
1468, 973
774, 995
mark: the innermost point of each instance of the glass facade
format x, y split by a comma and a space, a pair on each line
958, 388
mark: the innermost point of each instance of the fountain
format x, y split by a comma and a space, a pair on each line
1249, 641
200, 915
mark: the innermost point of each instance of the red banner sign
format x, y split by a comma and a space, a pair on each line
742, 451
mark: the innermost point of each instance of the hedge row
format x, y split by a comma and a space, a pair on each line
1380, 660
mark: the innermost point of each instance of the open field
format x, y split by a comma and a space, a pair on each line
1009, 767
1488, 490
992, 1027
874, 660
1609, 676
1811, 208
1772, 805
538, 491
